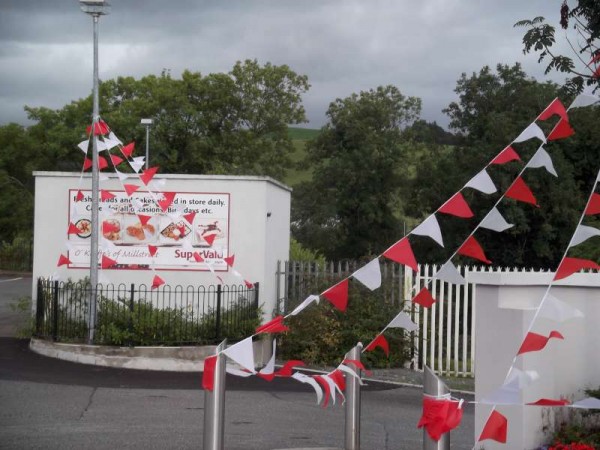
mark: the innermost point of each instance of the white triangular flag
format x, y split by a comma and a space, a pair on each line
430, 227
242, 353
369, 274
507, 394
584, 100
332, 387
112, 137
494, 221
583, 233
84, 145
524, 377
533, 130
558, 311
137, 163
102, 176
101, 145
270, 366
482, 182
351, 372
587, 403
122, 176
309, 380
238, 372
542, 159
307, 301
402, 320
449, 273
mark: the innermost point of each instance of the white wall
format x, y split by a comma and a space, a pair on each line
505, 306
256, 240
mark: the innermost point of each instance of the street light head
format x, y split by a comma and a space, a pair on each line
146, 122
95, 7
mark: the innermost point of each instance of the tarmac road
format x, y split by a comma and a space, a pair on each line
52, 404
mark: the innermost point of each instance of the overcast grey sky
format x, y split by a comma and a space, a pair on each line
421, 46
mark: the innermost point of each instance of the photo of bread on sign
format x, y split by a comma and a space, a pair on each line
136, 233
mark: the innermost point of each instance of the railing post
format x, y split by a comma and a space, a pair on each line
256, 292
39, 308
352, 412
436, 388
214, 405
55, 312
218, 314
131, 297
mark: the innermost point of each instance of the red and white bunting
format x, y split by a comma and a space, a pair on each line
482, 182
369, 275
535, 342
495, 428
593, 206
495, 221
273, 326
137, 163
128, 149
542, 159
583, 100
307, 301
430, 228
157, 282
242, 353
440, 415
402, 320
83, 146
424, 298
569, 266
381, 342
505, 156
457, 206
472, 249
532, 131
312, 382
107, 262
338, 295
558, 311
582, 234
208, 374
520, 191
401, 252
554, 108
562, 130
62, 260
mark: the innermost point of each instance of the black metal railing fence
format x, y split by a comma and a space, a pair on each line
139, 315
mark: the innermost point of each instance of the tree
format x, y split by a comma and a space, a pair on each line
350, 207
492, 109
585, 19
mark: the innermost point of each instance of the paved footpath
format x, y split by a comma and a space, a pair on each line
51, 404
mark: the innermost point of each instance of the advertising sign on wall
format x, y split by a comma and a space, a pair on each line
125, 236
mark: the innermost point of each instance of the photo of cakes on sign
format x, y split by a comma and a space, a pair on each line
173, 232
210, 232
136, 233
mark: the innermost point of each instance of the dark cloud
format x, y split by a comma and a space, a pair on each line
343, 47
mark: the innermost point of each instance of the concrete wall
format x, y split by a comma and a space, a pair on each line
258, 235
505, 306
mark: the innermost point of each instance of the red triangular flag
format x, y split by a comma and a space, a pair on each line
208, 375
152, 249
286, 370
107, 262
106, 195
127, 150
359, 365
130, 188
562, 130
63, 260
110, 227
424, 298
102, 163
556, 107
593, 207
521, 192
569, 266
73, 229
210, 238
100, 128
116, 160
325, 387
190, 217
79, 196
229, 260
457, 206
534, 342
379, 341
248, 284
168, 198
143, 219
338, 378
87, 164
402, 253
198, 257
472, 249
338, 295
549, 402
495, 428
506, 155
148, 174
157, 282
273, 326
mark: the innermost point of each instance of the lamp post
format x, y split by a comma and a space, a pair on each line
147, 123
94, 8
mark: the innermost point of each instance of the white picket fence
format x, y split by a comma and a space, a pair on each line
444, 340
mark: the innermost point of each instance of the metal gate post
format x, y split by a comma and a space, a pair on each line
214, 405
434, 387
352, 413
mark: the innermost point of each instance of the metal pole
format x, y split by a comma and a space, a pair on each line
434, 387
95, 192
214, 405
147, 146
352, 413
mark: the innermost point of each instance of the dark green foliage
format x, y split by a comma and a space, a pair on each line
322, 335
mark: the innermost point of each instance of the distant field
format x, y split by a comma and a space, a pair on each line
299, 137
